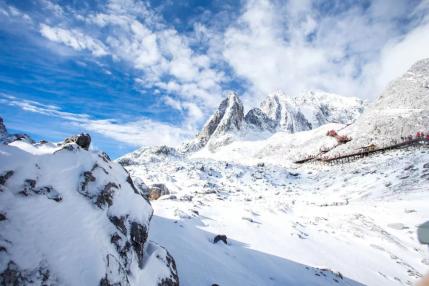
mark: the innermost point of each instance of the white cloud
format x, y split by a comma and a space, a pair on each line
142, 132
74, 39
352, 52
139, 37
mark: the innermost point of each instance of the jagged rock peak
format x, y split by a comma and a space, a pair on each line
227, 118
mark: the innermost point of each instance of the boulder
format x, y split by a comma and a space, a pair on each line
220, 237
83, 140
157, 190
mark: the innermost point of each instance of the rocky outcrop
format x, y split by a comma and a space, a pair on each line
157, 190
3, 130
83, 140
82, 207
258, 120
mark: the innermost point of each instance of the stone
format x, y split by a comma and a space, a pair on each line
83, 140
220, 237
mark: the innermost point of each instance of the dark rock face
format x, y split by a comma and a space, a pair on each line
5, 176
29, 188
83, 140
257, 119
220, 237
3, 130
138, 238
14, 276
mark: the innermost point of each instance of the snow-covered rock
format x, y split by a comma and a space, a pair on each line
6, 138
69, 216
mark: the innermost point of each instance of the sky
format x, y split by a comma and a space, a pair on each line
143, 73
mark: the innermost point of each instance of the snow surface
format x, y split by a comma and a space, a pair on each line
284, 224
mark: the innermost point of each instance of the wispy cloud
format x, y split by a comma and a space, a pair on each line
74, 39
141, 132
137, 35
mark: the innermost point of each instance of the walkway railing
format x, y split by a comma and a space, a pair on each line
344, 158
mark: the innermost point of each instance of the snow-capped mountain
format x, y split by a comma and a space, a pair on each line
278, 112
310, 110
70, 216
400, 111
227, 120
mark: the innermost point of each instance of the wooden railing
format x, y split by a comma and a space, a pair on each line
343, 158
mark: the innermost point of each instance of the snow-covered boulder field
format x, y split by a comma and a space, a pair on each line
69, 216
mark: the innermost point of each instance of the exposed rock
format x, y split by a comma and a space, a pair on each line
257, 119
119, 222
29, 188
83, 140
220, 237
105, 197
138, 238
14, 276
11, 275
165, 150
5, 176
158, 190
3, 130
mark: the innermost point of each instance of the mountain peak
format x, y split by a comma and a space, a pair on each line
227, 118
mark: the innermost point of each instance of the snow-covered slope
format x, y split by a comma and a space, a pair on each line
401, 110
313, 225
69, 216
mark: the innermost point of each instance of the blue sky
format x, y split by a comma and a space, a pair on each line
134, 73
